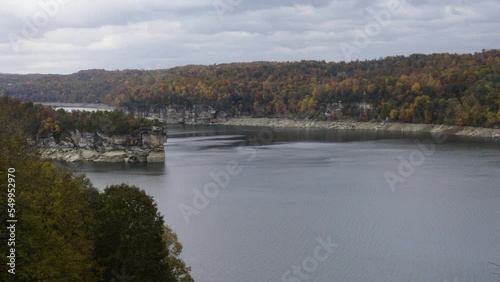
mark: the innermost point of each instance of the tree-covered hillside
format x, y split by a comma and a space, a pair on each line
438, 88
57, 227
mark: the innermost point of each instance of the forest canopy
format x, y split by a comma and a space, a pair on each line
40, 122
458, 89
66, 229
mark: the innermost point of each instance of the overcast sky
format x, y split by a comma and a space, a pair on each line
65, 36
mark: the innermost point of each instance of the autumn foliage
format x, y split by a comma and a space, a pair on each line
438, 88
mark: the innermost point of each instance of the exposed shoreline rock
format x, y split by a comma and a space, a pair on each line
147, 146
87, 155
352, 125
196, 114
202, 114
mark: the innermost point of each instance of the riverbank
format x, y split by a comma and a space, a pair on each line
352, 125
102, 107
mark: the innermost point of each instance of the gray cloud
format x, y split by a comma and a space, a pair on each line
149, 34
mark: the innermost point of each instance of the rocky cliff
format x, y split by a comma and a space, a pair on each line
143, 146
177, 114
493, 133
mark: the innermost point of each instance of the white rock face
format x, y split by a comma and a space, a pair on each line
73, 158
89, 154
96, 147
116, 156
156, 157
112, 157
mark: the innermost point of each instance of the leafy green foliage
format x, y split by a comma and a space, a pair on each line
40, 121
66, 230
55, 212
176, 265
131, 236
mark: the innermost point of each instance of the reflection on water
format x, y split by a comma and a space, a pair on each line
118, 168
441, 224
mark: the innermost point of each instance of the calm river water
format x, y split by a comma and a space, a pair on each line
319, 205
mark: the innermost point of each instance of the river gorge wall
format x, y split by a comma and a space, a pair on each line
353, 125
146, 146
205, 114
202, 114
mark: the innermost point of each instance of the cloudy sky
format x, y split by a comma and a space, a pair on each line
64, 36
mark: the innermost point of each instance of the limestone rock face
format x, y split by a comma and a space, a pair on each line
63, 154
71, 158
89, 154
112, 157
154, 139
139, 155
156, 157
49, 142
140, 147
119, 140
197, 114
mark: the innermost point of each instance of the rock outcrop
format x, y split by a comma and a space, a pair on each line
352, 125
145, 146
197, 114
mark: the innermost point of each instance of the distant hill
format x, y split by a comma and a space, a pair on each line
438, 88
